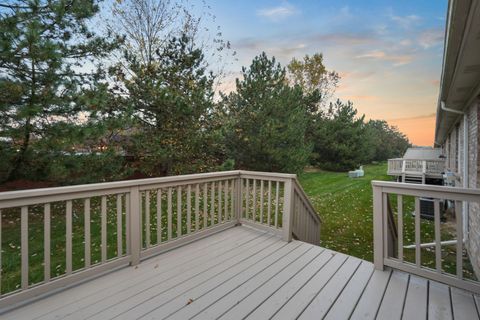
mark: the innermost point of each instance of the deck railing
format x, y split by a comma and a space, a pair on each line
57, 237
414, 166
420, 229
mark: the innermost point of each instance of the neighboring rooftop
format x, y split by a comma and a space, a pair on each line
423, 153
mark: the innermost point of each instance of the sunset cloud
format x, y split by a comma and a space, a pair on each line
278, 13
398, 60
431, 37
407, 21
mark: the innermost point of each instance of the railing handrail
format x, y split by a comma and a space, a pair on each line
32, 193
424, 187
409, 159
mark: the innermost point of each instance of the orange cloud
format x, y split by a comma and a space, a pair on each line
419, 129
361, 98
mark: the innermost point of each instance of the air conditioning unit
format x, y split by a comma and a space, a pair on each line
427, 209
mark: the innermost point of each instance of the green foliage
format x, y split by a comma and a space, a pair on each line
339, 138
170, 100
342, 141
267, 120
49, 79
386, 141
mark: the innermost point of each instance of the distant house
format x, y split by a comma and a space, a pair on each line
419, 165
457, 122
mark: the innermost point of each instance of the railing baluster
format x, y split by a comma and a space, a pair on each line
179, 211
205, 204
247, 198
119, 226
400, 226
269, 211
104, 228
159, 216
197, 206
212, 204
288, 210
189, 208
147, 219
226, 200
135, 225
378, 228
277, 195
232, 199
169, 214
261, 201
418, 252
46, 242
306, 220
24, 246
87, 237
438, 239
128, 224
254, 210
386, 238
459, 223
219, 213
68, 242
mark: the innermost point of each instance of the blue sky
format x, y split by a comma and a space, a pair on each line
388, 53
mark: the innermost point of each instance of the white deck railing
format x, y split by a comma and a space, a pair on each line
140, 218
414, 166
393, 228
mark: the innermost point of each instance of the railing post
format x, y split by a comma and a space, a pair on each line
288, 210
378, 225
135, 227
238, 198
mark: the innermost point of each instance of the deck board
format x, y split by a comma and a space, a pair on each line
324, 300
394, 297
439, 304
244, 273
372, 296
416, 299
347, 300
463, 305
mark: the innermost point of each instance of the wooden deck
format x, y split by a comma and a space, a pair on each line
246, 273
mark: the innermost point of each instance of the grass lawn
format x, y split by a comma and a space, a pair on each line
345, 206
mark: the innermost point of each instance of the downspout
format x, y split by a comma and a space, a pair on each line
465, 206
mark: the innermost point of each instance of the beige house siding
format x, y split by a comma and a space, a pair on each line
453, 148
473, 242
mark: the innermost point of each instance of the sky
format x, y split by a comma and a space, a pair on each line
388, 53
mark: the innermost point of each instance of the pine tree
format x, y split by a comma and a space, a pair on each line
268, 120
171, 101
52, 93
